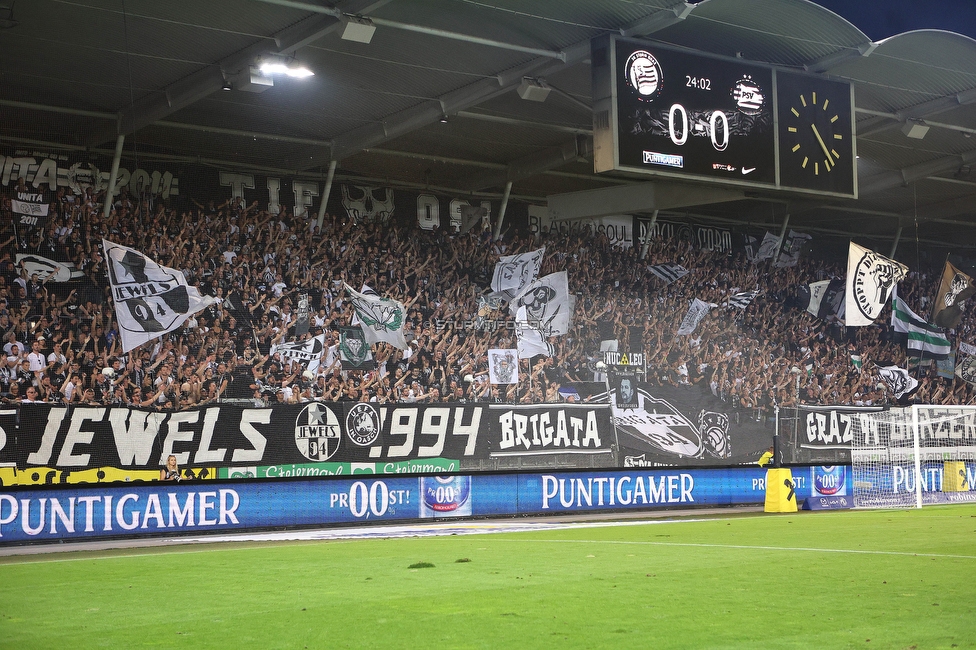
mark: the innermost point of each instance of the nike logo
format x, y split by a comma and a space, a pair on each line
748, 170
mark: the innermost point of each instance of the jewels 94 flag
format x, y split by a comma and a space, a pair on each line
150, 299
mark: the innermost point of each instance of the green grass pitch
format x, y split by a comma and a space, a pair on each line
854, 579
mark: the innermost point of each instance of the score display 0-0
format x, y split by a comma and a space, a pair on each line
668, 112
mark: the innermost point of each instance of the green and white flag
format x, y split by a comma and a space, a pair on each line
925, 340
354, 351
382, 319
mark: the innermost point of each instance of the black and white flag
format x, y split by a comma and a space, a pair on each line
31, 211
48, 269
302, 315
870, 280
668, 272
814, 294
515, 272
503, 366
696, 312
150, 299
789, 255
308, 353
486, 305
354, 350
471, 215
898, 380
531, 340
742, 300
768, 248
954, 290
547, 304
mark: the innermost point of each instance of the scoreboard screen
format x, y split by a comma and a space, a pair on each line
665, 112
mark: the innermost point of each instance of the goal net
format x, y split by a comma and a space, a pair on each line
910, 457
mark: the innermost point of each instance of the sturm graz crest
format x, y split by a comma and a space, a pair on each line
317, 433
714, 428
363, 424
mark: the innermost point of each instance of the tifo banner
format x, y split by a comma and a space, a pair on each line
45, 171
680, 427
713, 238
44, 444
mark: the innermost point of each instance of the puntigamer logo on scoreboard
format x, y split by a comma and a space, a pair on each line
317, 432
666, 159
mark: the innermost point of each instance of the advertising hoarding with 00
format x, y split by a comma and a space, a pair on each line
667, 112
94, 511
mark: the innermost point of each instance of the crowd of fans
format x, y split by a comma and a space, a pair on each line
61, 341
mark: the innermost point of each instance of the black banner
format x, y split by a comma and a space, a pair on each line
41, 443
821, 436
681, 427
713, 238
46, 171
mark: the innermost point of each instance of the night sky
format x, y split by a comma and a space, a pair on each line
880, 19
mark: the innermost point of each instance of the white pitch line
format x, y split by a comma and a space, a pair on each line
333, 535
747, 547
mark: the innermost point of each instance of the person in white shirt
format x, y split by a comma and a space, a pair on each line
37, 359
57, 356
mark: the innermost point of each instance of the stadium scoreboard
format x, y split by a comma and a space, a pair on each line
661, 111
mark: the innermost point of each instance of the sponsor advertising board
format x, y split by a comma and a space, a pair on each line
188, 507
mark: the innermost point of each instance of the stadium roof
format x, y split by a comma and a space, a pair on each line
78, 72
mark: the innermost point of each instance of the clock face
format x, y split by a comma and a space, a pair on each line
816, 137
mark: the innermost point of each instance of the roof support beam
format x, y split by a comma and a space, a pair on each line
918, 112
415, 117
628, 199
892, 179
840, 57
157, 105
659, 20
532, 164
420, 29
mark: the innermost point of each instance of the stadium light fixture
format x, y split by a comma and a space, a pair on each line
270, 65
357, 29
915, 129
533, 90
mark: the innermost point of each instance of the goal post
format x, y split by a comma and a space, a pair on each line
914, 456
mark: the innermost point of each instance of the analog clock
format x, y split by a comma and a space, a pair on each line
816, 136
